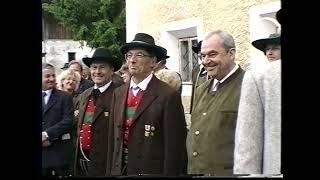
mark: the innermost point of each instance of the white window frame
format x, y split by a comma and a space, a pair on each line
190, 56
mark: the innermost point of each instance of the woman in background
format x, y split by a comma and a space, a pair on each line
69, 81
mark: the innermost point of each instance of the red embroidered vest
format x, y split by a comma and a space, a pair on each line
132, 104
85, 132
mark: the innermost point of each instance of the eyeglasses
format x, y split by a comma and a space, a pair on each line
137, 55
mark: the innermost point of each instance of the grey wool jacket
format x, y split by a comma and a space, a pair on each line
258, 130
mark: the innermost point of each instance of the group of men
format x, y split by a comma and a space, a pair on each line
139, 127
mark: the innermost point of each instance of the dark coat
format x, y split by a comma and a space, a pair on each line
117, 79
57, 120
163, 153
98, 152
84, 85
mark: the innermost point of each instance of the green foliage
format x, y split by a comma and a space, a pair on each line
101, 23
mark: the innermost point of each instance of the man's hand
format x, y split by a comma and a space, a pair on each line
44, 136
46, 143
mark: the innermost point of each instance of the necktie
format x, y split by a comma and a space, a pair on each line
135, 90
95, 94
43, 100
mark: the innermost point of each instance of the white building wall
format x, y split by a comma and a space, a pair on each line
262, 23
132, 19
57, 52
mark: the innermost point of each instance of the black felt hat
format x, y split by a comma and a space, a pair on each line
143, 40
102, 55
262, 43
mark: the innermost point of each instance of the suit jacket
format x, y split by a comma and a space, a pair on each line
98, 152
164, 152
57, 117
84, 85
258, 131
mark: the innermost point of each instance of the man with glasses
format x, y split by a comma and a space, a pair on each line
210, 140
147, 117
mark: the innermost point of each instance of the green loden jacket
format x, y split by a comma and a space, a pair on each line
210, 140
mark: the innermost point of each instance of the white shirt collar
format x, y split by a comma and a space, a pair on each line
215, 81
102, 88
143, 84
48, 92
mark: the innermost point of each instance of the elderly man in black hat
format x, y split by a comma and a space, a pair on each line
269, 46
148, 123
94, 111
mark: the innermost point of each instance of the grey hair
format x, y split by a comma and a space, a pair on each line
228, 41
47, 66
76, 62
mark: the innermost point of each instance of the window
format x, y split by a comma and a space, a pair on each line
188, 59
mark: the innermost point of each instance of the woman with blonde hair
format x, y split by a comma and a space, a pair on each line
69, 81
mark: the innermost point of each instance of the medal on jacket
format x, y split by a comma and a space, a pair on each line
152, 130
149, 130
146, 130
